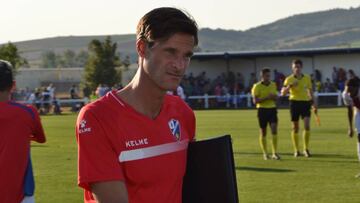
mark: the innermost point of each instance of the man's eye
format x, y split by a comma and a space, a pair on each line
170, 51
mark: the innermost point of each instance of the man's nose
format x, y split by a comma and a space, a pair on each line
180, 63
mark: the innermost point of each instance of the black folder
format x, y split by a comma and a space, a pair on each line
210, 172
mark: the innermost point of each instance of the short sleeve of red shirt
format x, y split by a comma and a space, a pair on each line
97, 159
192, 124
38, 134
189, 115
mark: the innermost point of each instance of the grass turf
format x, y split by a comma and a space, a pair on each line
326, 177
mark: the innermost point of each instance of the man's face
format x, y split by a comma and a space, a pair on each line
166, 61
266, 77
296, 68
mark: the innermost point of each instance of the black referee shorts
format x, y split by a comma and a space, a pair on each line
299, 108
267, 115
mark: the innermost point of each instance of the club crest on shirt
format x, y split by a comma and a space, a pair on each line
82, 123
174, 126
83, 128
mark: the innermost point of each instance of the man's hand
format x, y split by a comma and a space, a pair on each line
272, 96
317, 117
285, 90
315, 109
351, 132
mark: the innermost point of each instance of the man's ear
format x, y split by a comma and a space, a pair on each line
141, 46
13, 87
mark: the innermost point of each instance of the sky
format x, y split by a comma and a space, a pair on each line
34, 19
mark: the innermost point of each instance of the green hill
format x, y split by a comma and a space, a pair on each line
312, 30
331, 28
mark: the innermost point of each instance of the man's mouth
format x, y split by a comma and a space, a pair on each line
175, 75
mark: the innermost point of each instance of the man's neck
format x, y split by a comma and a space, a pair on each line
143, 95
298, 76
4, 96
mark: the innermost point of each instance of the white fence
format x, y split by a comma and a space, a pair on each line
61, 102
233, 100
230, 101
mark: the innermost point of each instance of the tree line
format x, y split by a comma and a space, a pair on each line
101, 61
10, 52
69, 58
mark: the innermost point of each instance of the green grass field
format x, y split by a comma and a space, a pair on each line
326, 177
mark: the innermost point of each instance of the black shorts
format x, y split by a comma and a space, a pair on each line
267, 115
299, 108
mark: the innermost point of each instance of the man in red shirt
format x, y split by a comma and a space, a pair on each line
132, 143
19, 124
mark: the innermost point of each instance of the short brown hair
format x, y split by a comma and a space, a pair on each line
6, 75
265, 70
162, 23
353, 82
297, 61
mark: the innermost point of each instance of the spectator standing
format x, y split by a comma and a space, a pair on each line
335, 76
341, 79
73, 92
51, 90
252, 81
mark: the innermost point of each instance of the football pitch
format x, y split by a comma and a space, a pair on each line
328, 176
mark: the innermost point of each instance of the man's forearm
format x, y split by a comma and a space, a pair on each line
260, 100
285, 90
313, 99
110, 192
350, 116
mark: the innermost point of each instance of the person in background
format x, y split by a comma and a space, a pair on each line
301, 99
252, 81
51, 90
46, 101
19, 125
334, 76
178, 92
73, 92
341, 79
351, 97
352, 74
264, 95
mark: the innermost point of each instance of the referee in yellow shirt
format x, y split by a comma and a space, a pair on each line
264, 95
301, 98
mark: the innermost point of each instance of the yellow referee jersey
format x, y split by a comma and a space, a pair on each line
299, 92
261, 91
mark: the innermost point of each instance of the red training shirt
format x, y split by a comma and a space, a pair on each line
115, 142
18, 124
